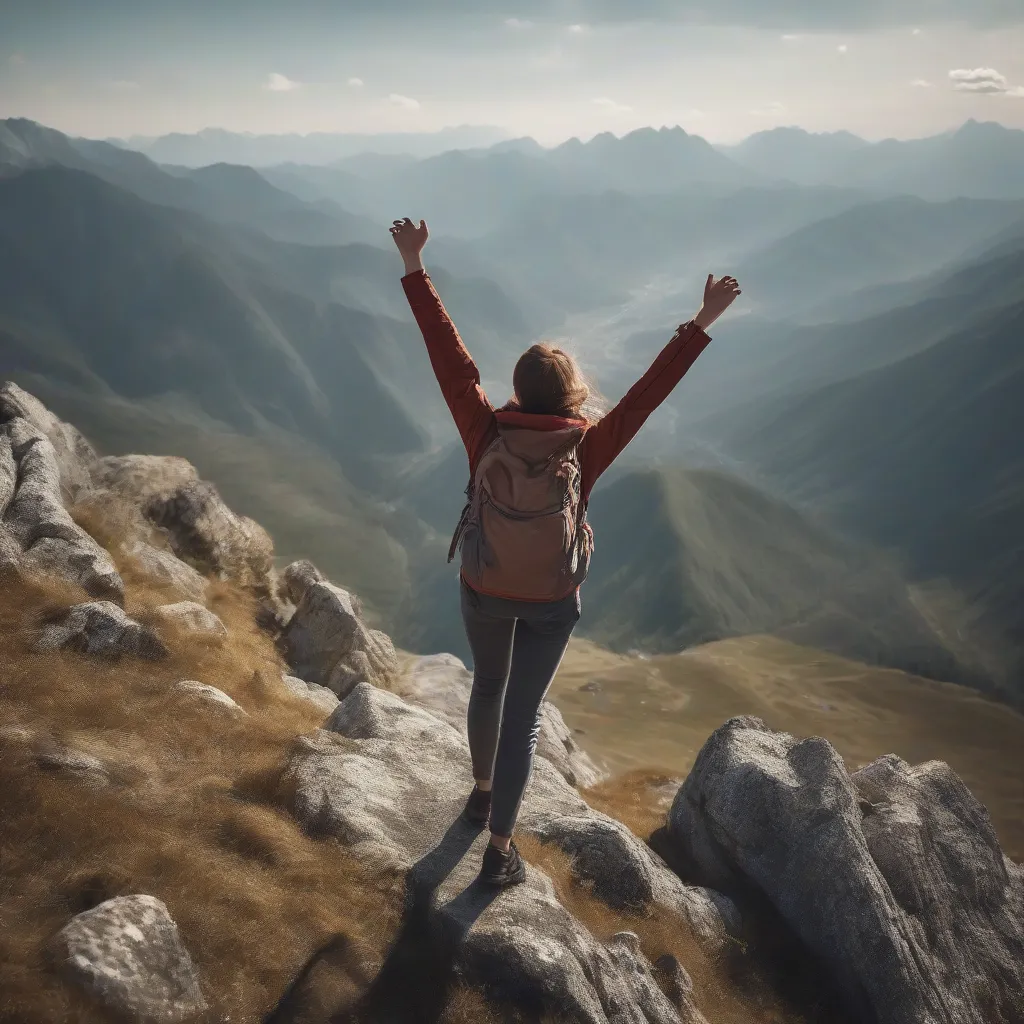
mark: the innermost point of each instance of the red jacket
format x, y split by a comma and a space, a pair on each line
477, 419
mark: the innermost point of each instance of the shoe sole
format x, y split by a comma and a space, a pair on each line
480, 822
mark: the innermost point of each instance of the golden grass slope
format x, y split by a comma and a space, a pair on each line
652, 716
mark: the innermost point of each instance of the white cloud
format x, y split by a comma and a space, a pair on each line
518, 23
915, 32
792, 37
577, 29
612, 106
773, 109
356, 83
18, 58
921, 83
1017, 92
694, 112
405, 102
983, 80
843, 48
281, 83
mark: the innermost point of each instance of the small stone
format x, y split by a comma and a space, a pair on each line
321, 696
128, 953
99, 628
202, 691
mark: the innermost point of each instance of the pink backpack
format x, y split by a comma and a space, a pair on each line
524, 533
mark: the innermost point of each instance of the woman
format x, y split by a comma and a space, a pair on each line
523, 536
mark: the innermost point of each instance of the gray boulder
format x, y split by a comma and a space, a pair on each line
893, 876
326, 641
193, 617
199, 526
165, 567
36, 521
389, 779
640, 879
326, 700
442, 684
99, 628
191, 689
128, 954
74, 455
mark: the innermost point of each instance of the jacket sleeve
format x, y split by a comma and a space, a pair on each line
606, 439
452, 364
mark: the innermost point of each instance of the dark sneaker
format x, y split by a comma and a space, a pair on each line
502, 869
478, 807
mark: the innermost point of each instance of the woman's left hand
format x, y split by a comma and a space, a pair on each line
718, 297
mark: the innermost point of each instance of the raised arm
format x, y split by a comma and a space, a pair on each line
452, 364
606, 439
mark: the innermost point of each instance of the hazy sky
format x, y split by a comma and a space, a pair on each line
551, 70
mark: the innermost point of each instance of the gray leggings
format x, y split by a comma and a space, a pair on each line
517, 647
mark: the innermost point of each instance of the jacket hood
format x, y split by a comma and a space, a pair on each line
536, 438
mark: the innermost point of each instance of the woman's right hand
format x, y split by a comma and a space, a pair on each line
718, 297
410, 240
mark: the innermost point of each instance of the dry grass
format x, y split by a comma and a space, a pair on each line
283, 928
193, 815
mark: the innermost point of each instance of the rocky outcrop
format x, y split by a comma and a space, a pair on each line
73, 454
893, 876
199, 526
98, 628
38, 533
128, 954
326, 700
326, 640
389, 779
442, 684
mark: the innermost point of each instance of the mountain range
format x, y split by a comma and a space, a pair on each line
862, 394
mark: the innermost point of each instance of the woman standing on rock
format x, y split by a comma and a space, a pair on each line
523, 536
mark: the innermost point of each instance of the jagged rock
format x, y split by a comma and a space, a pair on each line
677, 984
141, 478
99, 628
325, 637
204, 531
194, 690
893, 877
8, 473
165, 567
74, 455
193, 617
323, 698
298, 577
441, 683
36, 520
85, 767
389, 779
201, 529
128, 953
641, 879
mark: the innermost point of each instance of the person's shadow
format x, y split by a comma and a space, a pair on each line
414, 982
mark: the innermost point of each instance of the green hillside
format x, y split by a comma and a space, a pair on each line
921, 455
685, 557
